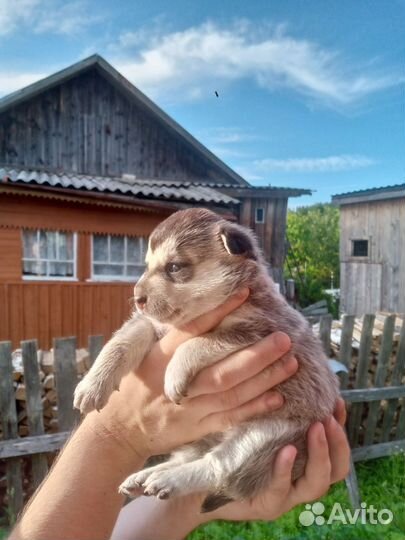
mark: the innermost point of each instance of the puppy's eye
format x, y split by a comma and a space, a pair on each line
172, 268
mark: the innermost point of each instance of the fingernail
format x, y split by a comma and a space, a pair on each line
242, 293
282, 341
321, 434
328, 421
274, 399
290, 364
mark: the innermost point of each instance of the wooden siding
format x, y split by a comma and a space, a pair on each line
272, 233
376, 282
10, 254
87, 126
365, 281
30, 212
43, 311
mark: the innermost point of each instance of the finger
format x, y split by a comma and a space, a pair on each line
317, 476
339, 449
221, 421
175, 337
340, 411
247, 390
241, 365
282, 471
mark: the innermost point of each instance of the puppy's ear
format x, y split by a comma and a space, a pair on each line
237, 241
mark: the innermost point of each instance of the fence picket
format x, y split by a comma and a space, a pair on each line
400, 434
95, 346
34, 406
397, 374
356, 410
66, 380
325, 326
10, 430
345, 353
382, 367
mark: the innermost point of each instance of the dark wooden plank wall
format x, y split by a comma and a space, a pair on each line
272, 233
46, 310
86, 126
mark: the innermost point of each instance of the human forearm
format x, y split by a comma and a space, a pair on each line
79, 498
148, 518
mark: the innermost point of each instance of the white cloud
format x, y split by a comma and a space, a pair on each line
344, 162
230, 135
13, 13
10, 82
40, 16
192, 63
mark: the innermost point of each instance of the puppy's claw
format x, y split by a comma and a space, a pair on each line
130, 491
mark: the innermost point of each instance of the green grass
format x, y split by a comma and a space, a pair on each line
3, 533
382, 484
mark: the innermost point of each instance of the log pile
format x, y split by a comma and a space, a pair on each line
48, 388
358, 328
377, 333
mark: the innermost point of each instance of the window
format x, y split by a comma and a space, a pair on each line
48, 254
118, 257
259, 217
360, 248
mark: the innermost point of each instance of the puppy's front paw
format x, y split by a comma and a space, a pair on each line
160, 483
176, 383
92, 393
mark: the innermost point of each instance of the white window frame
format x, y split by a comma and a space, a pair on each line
124, 263
262, 209
50, 278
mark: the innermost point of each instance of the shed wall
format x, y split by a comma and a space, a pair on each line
377, 281
272, 233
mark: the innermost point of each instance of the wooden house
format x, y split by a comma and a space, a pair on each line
372, 250
88, 167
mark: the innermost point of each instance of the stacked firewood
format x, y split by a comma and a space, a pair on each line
378, 329
48, 388
377, 333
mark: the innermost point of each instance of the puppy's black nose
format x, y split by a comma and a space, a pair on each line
141, 301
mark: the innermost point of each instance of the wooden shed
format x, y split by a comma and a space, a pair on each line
88, 167
372, 250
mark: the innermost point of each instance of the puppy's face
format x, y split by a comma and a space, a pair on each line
195, 261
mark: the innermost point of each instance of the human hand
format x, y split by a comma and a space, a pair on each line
148, 518
145, 422
328, 462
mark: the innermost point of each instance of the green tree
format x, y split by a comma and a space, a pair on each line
313, 251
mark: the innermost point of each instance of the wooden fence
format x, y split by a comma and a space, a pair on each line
12, 447
383, 404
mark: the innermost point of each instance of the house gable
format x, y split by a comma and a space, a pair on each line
88, 119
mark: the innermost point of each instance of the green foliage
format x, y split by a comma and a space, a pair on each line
313, 254
382, 484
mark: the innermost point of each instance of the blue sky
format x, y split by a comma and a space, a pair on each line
311, 92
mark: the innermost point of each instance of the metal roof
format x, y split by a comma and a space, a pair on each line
368, 195
119, 81
148, 188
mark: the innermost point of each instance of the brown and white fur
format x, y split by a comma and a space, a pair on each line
195, 261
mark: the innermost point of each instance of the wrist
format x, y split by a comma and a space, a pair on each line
184, 513
108, 432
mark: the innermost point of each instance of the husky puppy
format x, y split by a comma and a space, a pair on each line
195, 261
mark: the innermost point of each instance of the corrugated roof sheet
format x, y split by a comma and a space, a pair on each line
148, 188
370, 191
